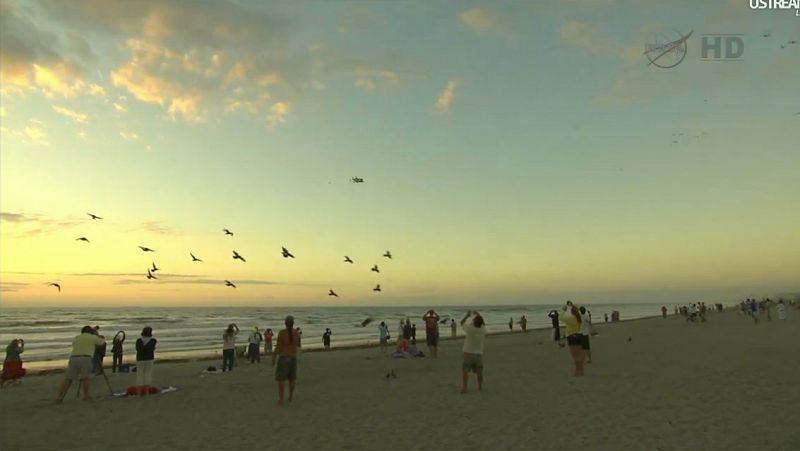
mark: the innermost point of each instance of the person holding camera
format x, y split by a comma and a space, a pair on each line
12, 365
116, 350
229, 347
80, 362
431, 319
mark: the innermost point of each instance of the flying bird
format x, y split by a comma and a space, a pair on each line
94, 216
375, 269
146, 249
228, 283
388, 254
444, 320
377, 287
792, 42
285, 252
155, 268
227, 232
150, 275
83, 238
766, 35
366, 321
347, 259
357, 180
55, 285
236, 256
332, 293
194, 259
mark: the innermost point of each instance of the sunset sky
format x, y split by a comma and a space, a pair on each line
513, 152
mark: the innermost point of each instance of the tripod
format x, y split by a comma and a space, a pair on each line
108, 383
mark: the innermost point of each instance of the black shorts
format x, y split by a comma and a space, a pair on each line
432, 339
575, 340
586, 345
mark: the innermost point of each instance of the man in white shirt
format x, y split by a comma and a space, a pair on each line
474, 335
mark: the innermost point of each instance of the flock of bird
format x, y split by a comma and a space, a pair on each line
236, 256
783, 46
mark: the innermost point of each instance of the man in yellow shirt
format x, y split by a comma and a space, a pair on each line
80, 362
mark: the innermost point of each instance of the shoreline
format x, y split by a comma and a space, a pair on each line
45, 368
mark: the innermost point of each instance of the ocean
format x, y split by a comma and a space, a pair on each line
188, 332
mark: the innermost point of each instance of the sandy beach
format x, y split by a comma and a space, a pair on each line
724, 384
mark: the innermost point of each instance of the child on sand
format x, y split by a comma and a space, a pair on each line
326, 339
268, 341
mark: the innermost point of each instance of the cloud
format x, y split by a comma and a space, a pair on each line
444, 102
97, 90
155, 227
72, 114
35, 224
481, 20
13, 286
165, 280
588, 37
369, 79
37, 135
129, 136
277, 113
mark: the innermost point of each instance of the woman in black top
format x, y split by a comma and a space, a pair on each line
145, 354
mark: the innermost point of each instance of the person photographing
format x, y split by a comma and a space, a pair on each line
474, 336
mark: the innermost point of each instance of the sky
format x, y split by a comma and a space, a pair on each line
512, 152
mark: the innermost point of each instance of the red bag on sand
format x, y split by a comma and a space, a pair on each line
139, 390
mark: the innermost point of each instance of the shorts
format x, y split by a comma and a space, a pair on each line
286, 369
432, 339
473, 362
79, 367
586, 345
575, 340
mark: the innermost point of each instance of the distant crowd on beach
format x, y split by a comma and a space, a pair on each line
89, 347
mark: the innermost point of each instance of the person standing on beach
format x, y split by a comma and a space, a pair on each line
407, 330
754, 310
781, 308
286, 355
383, 331
116, 350
99, 353
254, 346
511, 323
572, 326
326, 339
12, 365
664, 311
474, 335
553, 315
586, 332
80, 362
523, 323
413, 333
268, 341
453, 330
431, 319
229, 346
145, 358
